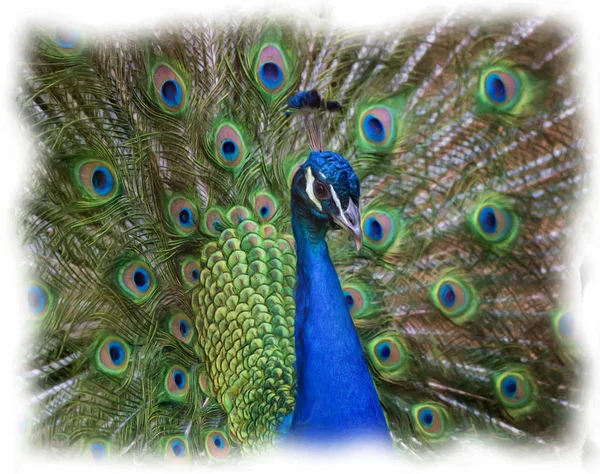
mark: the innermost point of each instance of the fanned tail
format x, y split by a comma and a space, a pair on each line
157, 222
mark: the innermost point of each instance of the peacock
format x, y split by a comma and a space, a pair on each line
259, 232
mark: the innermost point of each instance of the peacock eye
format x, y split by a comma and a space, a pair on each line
321, 191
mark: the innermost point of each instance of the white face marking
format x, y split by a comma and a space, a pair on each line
338, 204
310, 179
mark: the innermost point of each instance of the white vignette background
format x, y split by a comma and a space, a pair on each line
583, 16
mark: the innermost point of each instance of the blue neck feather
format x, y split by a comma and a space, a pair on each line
336, 396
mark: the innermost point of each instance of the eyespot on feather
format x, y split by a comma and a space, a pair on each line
380, 230
501, 87
136, 281
98, 449
177, 383
190, 272
455, 298
271, 69
176, 448
181, 327
184, 215
265, 206
377, 126
388, 354
494, 223
98, 179
68, 40
431, 420
39, 299
214, 222
567, 335
357, 298
169, 89
238, 214
452, 296
112, 355
515, 389
564, 326
504, 89
230, 148
216, 444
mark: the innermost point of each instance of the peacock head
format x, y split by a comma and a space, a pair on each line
326, 190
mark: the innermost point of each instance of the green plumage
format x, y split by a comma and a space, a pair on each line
156, 225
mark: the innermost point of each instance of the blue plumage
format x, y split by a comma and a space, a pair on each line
336, 396
37, 299
311, 100
305, 99
495, 88
141, 279
116, 352
102, 181
171, 93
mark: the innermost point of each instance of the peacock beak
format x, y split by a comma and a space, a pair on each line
349, 219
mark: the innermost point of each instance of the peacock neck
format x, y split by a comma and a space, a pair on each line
336, 397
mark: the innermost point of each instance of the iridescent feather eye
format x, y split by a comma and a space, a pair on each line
494, 223
181, 327
177, 383
214, 222
515, 389
501, 87
98, 179
169, 89
504, 89
271, 69
358, 299
217, 445
452, 296
98, 449
136, 280
381, 229
238, 214
112, 355
389, 355
68, 40
176, 448
564, 326
190, 272
431, 420
377, 126
39, 299
183, 215
455, 299
265, 206
230, 148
